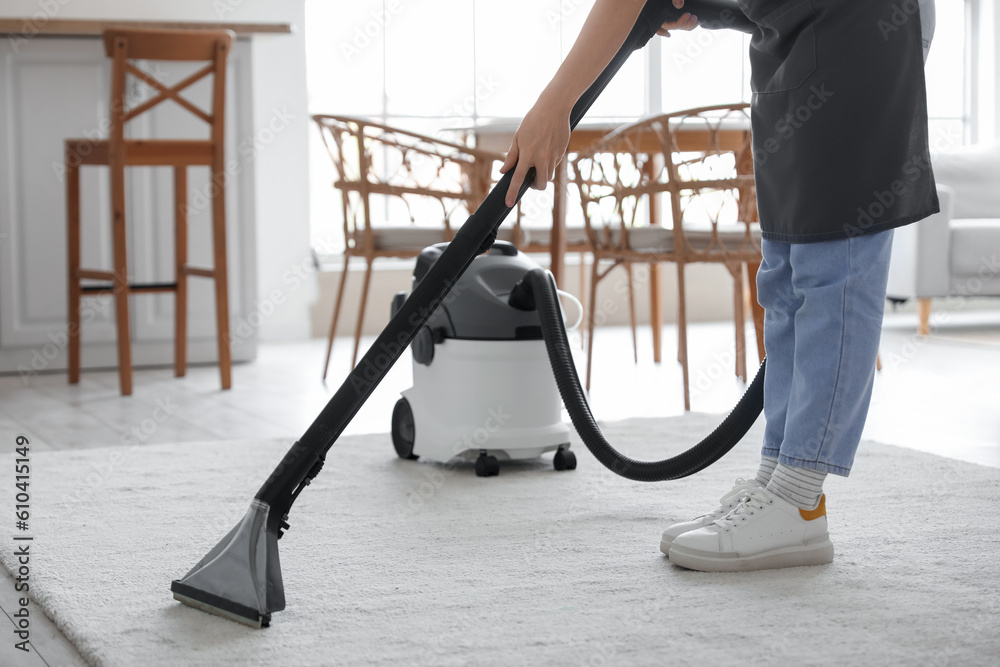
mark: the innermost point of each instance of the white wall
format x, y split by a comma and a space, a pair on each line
280, 109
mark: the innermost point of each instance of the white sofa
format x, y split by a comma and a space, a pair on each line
954, 253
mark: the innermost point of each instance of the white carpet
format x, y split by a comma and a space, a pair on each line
391, 562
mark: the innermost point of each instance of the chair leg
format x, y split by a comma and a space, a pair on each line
221, 271
336, 314
682, 351
924, 313
121, 292
591, 316
631, 312
73, 267
361, 311
583, 290
180, 266
756, 310
740, 323
656, 311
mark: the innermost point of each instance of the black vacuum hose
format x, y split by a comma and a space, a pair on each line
544, 297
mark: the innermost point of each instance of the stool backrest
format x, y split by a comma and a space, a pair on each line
124, 46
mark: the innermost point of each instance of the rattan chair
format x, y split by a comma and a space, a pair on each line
701, 159
375, 162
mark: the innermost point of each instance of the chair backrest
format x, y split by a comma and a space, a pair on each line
124, 46
370, 158
700, 158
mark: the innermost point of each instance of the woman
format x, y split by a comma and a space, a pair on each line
839, 119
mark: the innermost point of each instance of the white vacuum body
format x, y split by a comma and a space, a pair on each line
483, 389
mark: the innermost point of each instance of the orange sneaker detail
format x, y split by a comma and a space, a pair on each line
820, 510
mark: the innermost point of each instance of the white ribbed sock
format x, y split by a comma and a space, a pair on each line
766, 469
799, 486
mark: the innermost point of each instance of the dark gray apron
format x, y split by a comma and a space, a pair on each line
839, 117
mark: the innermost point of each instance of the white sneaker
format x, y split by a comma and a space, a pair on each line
727, 503
763, 532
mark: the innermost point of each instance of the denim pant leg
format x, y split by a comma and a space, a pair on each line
835, 296
774, 293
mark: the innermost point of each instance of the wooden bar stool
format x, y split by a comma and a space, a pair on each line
117, 152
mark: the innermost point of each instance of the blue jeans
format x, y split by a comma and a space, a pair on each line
823, 318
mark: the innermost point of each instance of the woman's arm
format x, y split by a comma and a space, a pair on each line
543, 135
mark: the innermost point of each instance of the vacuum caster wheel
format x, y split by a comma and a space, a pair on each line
403, 431
487, 466
564, 460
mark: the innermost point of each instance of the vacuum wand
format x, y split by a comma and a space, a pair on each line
240, 578
305, 459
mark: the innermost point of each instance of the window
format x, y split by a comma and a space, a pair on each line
948, 76
450, 64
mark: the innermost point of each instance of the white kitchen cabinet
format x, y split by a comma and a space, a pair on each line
54, 88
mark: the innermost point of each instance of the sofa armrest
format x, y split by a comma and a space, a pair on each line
921, 254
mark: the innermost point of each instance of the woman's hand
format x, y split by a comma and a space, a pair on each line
540, 142
543, 136
687, 21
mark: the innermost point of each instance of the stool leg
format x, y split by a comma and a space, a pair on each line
121, 277
73, 266
180, 257
220, 269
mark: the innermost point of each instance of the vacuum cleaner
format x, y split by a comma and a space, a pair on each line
513, 410
240, 578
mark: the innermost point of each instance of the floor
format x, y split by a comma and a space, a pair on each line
936, 394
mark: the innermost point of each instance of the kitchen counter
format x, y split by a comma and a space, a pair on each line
30, 26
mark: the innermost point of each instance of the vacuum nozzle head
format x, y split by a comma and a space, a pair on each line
240, 578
